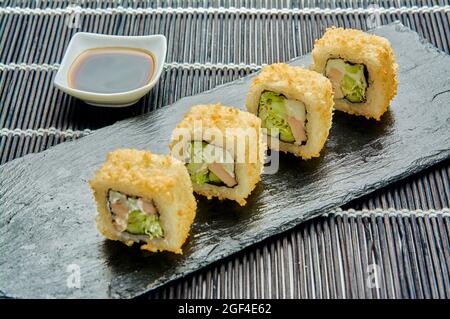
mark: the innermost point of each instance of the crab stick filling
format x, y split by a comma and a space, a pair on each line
283, 118
134, 215
210, 164
349, 80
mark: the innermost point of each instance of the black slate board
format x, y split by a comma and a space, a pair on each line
47, 212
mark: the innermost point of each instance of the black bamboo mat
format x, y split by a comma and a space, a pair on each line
211, 43
346, 254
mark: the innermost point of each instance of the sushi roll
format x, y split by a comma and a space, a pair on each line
295, 105
144, 198
223, 149
362, 69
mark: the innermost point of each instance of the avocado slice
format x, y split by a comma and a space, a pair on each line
140, 223
354, 82
273, 114
198, 170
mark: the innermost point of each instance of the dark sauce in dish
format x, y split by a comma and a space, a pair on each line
111, 70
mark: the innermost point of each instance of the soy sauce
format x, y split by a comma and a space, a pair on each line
111, 70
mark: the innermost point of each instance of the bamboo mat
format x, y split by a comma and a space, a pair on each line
375, 253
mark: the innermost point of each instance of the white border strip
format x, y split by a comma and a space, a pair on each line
168, 65
44, 131
221, 10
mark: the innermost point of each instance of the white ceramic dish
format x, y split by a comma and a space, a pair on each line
83, 41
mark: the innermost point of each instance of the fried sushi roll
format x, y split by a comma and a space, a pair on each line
144, 198
223, 149
295, 105
362, 69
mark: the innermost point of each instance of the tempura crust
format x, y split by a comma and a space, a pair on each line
230, 122
359, 47
309, 87
162, 179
